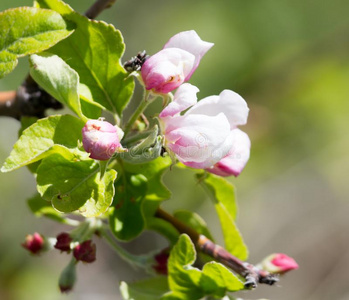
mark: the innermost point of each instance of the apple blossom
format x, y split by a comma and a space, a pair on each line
278, 263
63, 242
101, 139
234, 162
175, 63
207, 131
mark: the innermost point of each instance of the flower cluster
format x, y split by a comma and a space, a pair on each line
206, 135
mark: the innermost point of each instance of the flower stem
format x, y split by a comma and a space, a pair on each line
141, 107
252, 274
135, 260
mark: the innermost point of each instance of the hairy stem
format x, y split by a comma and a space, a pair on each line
252, 274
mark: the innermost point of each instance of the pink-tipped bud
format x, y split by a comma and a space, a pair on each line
85, 252
34, 243
161, 260
278, 263
63, 242
101, 139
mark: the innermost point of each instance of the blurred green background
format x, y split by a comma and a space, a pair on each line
290, 60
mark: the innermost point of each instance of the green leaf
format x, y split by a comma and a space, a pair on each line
58, 79
148, 289
41, 208
189, 283
184, 280
47, 136
28, 30
139, 192
94, 51
222, 280
194, 221
72, 184
222, 194
126, 220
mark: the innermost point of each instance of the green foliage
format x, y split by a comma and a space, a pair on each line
94, 51
222, 194
58, 79
47, 136
189, 283
73, 184
28, 30
193, 220
139, 191
147, 289
41, 208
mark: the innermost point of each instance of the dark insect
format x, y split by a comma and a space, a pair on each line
136, 62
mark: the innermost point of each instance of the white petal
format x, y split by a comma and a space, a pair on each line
230, 103
184, 97
191, 42
196, 138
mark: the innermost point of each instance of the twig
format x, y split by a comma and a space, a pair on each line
252, 274
98, 7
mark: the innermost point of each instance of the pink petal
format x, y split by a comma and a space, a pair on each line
235, 161
184, 97
191, 42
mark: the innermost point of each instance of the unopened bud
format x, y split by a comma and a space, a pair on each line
34, 243
161, 262
68, 277
278, 263
85, 252
101, 139
63, 242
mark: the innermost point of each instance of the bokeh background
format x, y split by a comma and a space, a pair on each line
290, 60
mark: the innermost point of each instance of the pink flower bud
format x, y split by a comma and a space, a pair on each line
34, 243
278, 263
169, 68
161, 262
85, 252
101, 139
63, 242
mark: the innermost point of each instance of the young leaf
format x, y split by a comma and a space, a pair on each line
126, 220
194, 221
148, 289
139, 192
94, 51
58, 79
190, 283
49, 135
28, 30
184, 280
39, 207
222, 194
73, 184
